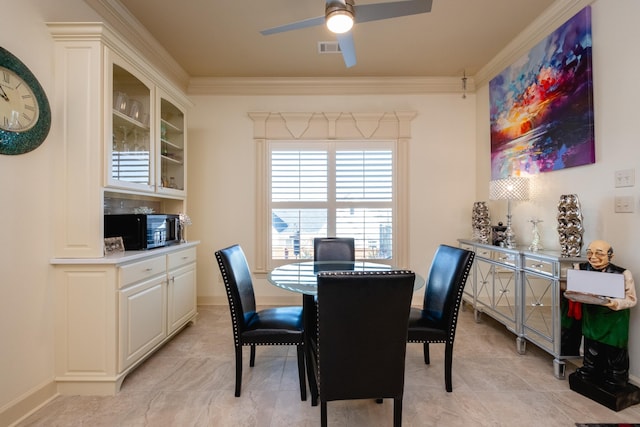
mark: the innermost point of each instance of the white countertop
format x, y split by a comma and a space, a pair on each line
126, 256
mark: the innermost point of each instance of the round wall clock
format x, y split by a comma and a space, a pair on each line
25, 115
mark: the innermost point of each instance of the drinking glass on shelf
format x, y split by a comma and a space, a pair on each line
135, 109
121, 102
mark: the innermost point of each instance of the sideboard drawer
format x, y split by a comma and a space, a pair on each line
184, 257
539, 266
131, 273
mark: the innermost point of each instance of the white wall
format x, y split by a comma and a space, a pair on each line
615, 29
222, 173
26, 195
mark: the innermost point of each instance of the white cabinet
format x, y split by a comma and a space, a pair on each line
114, 312
112, 107
142, 309
146, 128
181, 289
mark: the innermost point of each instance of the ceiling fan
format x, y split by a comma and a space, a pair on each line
340, 15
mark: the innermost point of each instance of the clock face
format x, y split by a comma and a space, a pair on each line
19, 109
25, 115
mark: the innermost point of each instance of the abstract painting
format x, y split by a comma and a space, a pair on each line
541, 106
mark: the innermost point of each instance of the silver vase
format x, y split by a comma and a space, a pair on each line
570, 228
481, 222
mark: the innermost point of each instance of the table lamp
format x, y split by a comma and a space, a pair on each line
512, 188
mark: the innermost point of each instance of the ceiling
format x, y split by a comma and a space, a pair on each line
221, 38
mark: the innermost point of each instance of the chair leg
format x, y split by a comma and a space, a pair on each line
323, 413
238, 369
425, 347
397, 412
448, 362
303, 383
309, 313
252, 357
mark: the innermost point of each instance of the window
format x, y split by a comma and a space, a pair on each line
321, 189
339, 173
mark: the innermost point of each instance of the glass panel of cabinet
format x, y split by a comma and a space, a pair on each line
130, 163
146, 149
172, 147
496, 291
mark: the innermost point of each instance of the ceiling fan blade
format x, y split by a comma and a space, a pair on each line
311, 22
345, 40
378, 11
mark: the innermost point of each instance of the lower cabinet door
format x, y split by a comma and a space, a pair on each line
143, 319
182, 296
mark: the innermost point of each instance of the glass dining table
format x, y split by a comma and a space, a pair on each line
302, 277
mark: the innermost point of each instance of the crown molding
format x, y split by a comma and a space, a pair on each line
326, 86
122, 21
552, 18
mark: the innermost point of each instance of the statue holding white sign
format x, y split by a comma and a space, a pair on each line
605, 329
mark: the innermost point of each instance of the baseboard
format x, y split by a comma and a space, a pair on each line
27, 404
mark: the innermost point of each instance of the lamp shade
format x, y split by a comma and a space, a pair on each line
512, 188
339, 16
339, 21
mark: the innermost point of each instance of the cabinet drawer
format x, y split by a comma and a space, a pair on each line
137, 271
539, 266
176, 259
497, 255
484, 253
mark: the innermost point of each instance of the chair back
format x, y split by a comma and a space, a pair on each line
362, 333
334, 249
238, 284
445, 285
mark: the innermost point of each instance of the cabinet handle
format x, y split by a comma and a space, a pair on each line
537, 265
148, 269
185, 257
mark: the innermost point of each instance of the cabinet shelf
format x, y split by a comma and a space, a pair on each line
171, 144
170, 126
171, 159
121, 119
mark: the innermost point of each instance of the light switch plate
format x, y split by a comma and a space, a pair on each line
625, 178
624, 204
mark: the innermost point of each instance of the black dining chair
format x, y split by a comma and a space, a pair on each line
436, 321
362, 336
334, 249
325, 250
271, 326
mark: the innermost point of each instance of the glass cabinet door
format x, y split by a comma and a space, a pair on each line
172, 148
130, 159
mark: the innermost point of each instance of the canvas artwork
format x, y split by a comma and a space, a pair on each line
541, 106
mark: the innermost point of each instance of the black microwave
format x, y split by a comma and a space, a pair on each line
143, 231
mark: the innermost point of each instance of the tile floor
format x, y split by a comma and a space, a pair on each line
190, 382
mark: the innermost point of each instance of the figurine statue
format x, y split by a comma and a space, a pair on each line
605, 328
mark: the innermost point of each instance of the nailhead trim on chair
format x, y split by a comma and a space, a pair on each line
227, 287
234, 319
451, 337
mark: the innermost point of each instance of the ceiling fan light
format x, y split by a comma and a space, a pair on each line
339, 21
